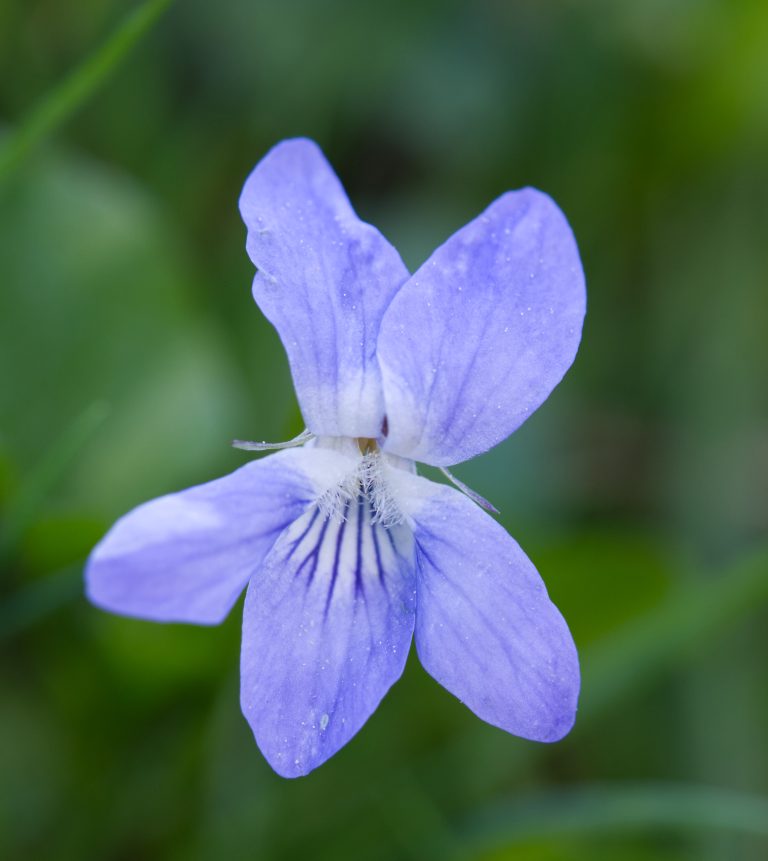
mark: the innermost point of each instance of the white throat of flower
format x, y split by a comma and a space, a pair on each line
368, 481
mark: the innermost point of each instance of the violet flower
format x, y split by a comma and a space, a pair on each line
345, 551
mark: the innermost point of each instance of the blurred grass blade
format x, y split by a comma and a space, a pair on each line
65, 99
686, 623
48, 472
603, 809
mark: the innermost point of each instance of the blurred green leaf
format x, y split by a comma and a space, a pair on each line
605, 809
33, 769
584, 848
627, 570
689, 622
152, 660
39, 599
58, 540
78, 86
110, 316
54, 463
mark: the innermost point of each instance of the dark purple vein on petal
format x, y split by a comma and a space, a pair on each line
337, 555
313, 555
361, 508
303, 535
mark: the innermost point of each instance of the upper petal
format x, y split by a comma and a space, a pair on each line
485, 627
327, 626
482, 332
324, 280
186, 557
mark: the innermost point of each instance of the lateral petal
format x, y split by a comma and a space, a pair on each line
187, 556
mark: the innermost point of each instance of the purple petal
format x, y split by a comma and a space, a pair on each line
324, 280
186, 557
485, 627
482, 333
326, 631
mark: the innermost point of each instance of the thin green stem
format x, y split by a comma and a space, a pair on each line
77, 87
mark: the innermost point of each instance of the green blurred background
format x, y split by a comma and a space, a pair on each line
131, 353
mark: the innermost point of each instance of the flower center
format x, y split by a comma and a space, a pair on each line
365, 485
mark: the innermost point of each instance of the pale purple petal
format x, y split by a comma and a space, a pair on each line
485, 627
482, 333
186, 557
327, 626
324, 280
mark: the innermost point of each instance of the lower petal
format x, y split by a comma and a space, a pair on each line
186, 557
485, 627
327, 627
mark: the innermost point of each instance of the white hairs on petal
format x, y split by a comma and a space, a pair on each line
366, 480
